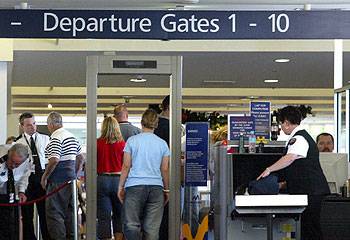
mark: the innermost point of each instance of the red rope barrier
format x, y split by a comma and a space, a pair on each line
38, 199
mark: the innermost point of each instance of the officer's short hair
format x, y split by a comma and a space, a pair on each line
20, 149
324, 134
54, 119
290, 113
25, 115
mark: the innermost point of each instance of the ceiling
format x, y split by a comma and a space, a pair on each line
201, 70
58, 78
188, 4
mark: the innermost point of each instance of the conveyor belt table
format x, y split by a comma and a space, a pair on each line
271, 205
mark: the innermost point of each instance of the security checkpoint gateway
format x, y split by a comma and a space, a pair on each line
118, 64
246, 217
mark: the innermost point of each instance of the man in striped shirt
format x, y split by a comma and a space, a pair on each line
64, 161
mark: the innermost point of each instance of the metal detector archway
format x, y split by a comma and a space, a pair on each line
165, 65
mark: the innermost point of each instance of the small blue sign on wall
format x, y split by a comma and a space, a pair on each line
261, 113
197, 153
240, 124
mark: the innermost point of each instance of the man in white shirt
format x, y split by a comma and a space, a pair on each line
14, 173
36, 143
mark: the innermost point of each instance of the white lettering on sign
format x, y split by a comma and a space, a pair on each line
192, 131
78, 24
185, 25
46, 28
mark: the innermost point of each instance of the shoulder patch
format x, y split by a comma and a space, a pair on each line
292, 141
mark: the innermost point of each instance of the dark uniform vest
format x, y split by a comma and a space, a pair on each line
305, 175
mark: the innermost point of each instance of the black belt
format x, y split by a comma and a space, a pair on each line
109, 174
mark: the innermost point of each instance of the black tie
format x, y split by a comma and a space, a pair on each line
10, 185
35, 156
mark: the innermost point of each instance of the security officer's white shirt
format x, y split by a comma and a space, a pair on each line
299, 146
20, 174
41, 141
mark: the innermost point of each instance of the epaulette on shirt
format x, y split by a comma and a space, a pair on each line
3, 158
292, 141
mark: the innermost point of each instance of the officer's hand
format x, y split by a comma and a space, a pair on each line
22, 197
264, 174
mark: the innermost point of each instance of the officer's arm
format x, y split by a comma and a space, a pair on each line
283, 162
22, 183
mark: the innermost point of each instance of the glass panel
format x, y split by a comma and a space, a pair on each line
342, 122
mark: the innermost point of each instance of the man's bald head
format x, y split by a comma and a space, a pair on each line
121, 113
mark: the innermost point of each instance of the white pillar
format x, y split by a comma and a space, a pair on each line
3, 102
12, 124
338, 63
338, 83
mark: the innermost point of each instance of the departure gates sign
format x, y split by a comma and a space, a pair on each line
168, 25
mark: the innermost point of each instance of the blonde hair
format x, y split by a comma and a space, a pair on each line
220, 134
150, 119
110, 130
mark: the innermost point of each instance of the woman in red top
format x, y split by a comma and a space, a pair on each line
110, 148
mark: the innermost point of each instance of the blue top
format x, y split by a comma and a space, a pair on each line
147, 151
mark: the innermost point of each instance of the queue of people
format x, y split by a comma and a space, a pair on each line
132, 175
128, 159
34, 166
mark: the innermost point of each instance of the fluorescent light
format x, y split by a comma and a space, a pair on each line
232, 105
271, 80
282, 60
218, 81
253, 97
49, 106
138, 80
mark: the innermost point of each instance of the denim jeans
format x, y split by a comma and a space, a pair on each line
108, 206
142, 212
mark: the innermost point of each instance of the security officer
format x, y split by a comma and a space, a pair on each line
36, 143
303, 171
14, 172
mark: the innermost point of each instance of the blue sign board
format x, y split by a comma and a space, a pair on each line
168, 25
261, 113
197, 153
240, 124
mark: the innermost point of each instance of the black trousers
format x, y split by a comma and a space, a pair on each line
34, 191
9, 226
310, 219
